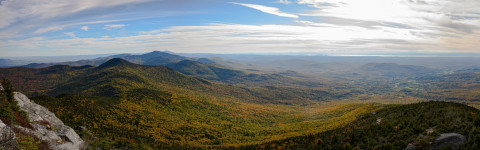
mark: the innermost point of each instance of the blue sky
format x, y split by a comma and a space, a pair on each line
332, 27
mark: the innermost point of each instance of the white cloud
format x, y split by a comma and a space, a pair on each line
231, 38
460, 15
47, 29
84, 28
16, 10
333, 27
71, 34
451, 25
113, 26
60, 27
306, 36
284, 2
269, 10
33, 17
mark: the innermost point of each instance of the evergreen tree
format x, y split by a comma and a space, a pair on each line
8, 90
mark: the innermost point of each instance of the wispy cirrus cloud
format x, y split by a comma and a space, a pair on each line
71, 34
305, 36
227, 38
113, 26
445, 15
47, 29
62, 26
330, 27
284, 2
14, 11
450, 24
22, 18
269, 10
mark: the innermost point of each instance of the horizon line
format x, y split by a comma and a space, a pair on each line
433, 54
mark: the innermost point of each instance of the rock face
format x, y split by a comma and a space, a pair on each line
7, 136
411, 147
48, 127
449, 140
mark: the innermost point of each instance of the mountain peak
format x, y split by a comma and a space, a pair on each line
115, 62
162, 53
156, 53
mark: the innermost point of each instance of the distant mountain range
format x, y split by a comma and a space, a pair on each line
9, 63
199, 67
153, 59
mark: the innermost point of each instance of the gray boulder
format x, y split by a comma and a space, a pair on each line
449, 140
48, 127
7, 137
411, 147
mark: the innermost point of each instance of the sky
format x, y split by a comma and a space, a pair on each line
328, 27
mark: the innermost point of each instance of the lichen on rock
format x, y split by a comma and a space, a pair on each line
47, 127
449, 141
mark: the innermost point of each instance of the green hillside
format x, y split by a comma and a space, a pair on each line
394, 127
33, 81
165, 120
130, 105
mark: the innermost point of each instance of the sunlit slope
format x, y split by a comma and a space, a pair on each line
395, 127
165, 120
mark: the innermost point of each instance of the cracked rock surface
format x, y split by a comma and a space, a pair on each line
48, 127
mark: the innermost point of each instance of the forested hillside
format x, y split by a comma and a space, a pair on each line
167, 109
395, 127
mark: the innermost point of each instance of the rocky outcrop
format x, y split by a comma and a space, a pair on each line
411, 147
47, 127
443, 141
7, 136
449, 141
